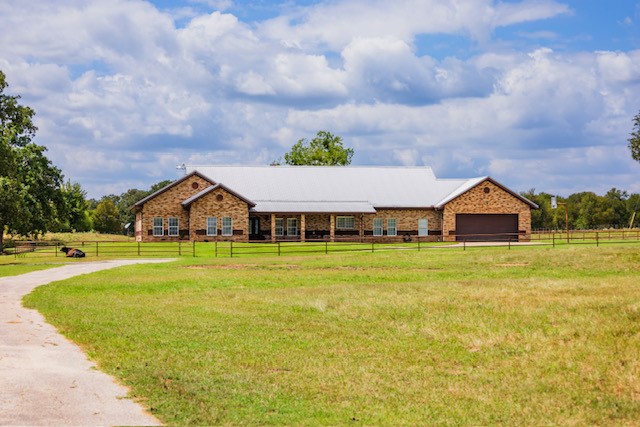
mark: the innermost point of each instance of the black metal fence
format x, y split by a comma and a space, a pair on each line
292, 247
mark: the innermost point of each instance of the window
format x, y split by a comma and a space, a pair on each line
212, 226
158, 227
345, 222
377, 226
391, 227
423, 227
227, 226
173, 226
279, 227
292, 227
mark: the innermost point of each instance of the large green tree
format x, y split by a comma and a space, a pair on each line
30, 194
106, 218
325, 149
634, 141
75, 215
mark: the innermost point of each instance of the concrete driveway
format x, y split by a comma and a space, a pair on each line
45, 379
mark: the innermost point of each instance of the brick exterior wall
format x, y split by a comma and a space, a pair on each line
210, 206
477, 201
406, 221
168, 205
193, 221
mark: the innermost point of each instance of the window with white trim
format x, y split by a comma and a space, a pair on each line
227, 226
173, 226
392, 229
158, 227
377, 226
423, 227
345, 222
292, 226
212, 226
279, 227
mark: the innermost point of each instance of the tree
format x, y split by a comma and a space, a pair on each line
106, 218
325, 149
74, 215
634, 141
30, 194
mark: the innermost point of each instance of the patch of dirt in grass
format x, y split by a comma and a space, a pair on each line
221, 267
242, 267
513, 264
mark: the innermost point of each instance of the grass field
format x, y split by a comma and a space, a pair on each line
13, 269
526, 336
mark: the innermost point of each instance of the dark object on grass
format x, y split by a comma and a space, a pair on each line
72, 253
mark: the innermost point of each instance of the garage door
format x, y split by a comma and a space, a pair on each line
486, 227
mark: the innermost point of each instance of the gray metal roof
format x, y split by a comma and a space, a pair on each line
276, 206
345, 189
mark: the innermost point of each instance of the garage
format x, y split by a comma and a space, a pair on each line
486, 227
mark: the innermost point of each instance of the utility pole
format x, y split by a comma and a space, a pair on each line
554, 205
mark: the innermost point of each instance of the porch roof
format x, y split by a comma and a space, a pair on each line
274, 206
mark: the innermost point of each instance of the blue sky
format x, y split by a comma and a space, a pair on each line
535, 93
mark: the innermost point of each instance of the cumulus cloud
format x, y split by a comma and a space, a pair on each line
125, 89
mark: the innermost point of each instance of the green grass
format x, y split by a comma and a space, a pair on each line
14, 269
526, 336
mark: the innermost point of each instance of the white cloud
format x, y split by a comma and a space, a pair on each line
121, 90
336, 24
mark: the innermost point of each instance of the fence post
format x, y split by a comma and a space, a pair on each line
509, 244
464, 244
326, 248
194, 249
418, 243
138, 248
231, 249
96, 248
179, 248
373, 242
56, 249
553, 237
216, 249
597, 240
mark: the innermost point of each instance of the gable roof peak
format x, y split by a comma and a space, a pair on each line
191, 174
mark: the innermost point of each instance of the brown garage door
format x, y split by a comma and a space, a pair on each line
486, 227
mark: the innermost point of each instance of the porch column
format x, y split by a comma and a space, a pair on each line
332, 227
273, 227
302, 227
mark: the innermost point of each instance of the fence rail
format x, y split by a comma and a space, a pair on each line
292, 247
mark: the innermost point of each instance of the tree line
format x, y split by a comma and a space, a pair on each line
587, 210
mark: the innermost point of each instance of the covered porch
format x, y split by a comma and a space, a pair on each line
305, 226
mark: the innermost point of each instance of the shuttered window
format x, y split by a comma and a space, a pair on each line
377, 226
212, 226
158, 227
392, 230
173, 226
227, 226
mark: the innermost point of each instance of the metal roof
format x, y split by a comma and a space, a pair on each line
275, 206
344, 188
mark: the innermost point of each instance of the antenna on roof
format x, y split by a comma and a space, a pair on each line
182, 167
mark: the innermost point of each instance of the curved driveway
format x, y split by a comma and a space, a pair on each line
45, 379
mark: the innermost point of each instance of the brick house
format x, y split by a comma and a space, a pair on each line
243, 203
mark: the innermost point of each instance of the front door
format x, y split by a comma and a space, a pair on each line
254, 228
